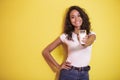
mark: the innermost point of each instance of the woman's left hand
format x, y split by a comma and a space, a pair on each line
88, 40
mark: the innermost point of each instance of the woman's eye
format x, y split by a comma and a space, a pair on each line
79, 16
72, 17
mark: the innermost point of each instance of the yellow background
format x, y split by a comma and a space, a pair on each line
27, 26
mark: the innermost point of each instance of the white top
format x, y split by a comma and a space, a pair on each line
78, 55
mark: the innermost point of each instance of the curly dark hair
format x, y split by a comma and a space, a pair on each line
69, 28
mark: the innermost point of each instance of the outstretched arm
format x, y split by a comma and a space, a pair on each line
90, 39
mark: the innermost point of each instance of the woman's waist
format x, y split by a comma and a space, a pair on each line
78, 62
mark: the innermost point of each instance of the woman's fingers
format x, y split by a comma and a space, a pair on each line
66, 65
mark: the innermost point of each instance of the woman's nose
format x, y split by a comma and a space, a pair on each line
76, 18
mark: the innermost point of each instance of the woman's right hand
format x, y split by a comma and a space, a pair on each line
65, 65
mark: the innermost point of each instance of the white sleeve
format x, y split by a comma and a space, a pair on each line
62, 37
92, 33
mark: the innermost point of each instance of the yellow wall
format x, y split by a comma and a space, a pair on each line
27, 26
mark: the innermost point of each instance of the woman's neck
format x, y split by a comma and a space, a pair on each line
77, 31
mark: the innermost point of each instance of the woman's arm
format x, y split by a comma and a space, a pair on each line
48, 57
90, 39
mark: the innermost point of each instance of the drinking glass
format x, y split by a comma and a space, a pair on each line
82, 35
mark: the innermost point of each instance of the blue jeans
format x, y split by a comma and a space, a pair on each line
73, 74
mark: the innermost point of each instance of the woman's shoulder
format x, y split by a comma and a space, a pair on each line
63, 36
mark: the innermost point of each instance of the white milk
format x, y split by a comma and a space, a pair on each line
82, 35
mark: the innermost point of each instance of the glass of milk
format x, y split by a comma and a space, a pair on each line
82, 35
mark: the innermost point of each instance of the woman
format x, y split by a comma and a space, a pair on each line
76, 66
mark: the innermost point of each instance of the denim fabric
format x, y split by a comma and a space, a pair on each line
73, 74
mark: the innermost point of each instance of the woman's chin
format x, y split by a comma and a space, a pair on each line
77, 27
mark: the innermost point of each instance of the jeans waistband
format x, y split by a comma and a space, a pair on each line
86, 68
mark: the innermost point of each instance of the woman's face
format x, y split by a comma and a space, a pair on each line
75, 19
